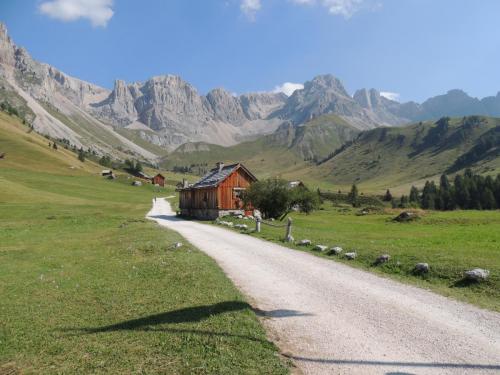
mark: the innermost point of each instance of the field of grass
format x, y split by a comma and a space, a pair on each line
451, 242
87, 285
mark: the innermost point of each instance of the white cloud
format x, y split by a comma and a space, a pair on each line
390, 95
98, 12
288, 88
250, 8
344, 8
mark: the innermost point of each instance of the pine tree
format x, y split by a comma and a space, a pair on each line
497, 190
429, 196
462, 195
81, 155
394, 203
414, 195
354, 196
404, 201
387, 196
445, 200
488, 201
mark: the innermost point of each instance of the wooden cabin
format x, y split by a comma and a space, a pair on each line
159, 180
217, 194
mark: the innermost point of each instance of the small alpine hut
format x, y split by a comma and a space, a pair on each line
159, 180
218, 193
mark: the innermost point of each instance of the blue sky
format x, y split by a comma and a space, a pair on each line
415, 48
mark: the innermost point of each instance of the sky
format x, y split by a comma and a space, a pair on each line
408, 49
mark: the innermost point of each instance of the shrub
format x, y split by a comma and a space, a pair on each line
275, 199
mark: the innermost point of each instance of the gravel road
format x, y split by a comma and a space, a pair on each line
333, 319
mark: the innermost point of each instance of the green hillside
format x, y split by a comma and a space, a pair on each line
396, 157
282, 153
89, 286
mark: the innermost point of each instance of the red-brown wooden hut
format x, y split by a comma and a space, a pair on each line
159, 180
218, 193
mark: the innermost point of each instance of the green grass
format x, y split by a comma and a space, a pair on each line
451, 242
87, 285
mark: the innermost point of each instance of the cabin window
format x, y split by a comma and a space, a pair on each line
205, 197
238, 193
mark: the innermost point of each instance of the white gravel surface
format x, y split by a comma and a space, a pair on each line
333, 319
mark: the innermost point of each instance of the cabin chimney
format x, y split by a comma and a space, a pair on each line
184, 183
219, 166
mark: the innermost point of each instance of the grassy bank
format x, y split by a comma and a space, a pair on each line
451, 242
89, 286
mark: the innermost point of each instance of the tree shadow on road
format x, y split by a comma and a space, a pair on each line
397, 364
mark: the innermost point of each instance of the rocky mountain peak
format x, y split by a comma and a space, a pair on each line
3, 32
370, 99
326, 82
7, 48
457, 93
225, 106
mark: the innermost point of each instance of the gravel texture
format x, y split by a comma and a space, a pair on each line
333, 319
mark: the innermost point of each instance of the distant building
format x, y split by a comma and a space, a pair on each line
144, 176
108, 173
159, 180
218, 193
294, 184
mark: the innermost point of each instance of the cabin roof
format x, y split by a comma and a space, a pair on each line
159, 175
215, 176
144, 175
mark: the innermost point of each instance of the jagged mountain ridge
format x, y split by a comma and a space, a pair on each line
454, 103
171, 106
167, 111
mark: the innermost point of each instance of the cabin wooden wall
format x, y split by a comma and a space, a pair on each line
225, 192
157, 180
198, 198
222, 198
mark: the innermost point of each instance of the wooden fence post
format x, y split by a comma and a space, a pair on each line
257, 224
288, 236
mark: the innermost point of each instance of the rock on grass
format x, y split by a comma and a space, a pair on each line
336, 250
320, 248
422, 267
477, 274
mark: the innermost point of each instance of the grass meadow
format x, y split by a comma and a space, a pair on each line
87, 285
451, 242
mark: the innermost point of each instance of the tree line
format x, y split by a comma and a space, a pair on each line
468, 191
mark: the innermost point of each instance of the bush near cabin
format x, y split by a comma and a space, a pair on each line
275, 198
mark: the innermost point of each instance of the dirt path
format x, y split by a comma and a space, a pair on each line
333, 319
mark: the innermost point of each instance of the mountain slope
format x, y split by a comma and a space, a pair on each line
387, 157
289, 148
28, 151
55, 103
